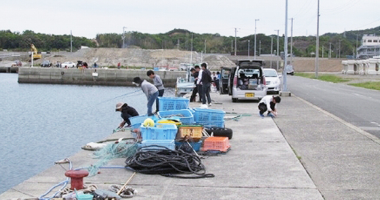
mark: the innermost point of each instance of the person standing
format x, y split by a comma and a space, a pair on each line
149, 90
194, 74
118, 65
157, 81
217, 78
205, 80
126, 113
268, 103
197, 84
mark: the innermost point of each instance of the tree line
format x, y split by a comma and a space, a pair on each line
338, 44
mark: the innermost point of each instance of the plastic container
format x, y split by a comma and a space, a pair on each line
162, 143
204, 115
137, 121
194, 132
184, 115
159, 132
195, 145
173, 103
216, 144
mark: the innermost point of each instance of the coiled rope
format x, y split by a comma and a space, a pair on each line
155, 159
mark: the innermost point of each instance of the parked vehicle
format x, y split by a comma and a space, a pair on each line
273, 81
289, 69
45, 63
16, 63
247, 80
68, 64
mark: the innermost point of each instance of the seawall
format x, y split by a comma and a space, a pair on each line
108, 77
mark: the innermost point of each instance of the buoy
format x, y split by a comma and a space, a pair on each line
148, 122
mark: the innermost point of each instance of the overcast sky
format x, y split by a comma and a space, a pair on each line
86, 18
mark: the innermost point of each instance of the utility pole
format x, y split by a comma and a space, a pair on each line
278, 47
356, 46
205, 46
123, 36
323, 49
71, 42
339, 47
259, 47
271, 50
178, 44
235, 41
254, 53
317, 46
232, 46
284, 85
291, 45
248, 48
330, 51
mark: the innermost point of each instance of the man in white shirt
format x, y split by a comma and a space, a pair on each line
268, 103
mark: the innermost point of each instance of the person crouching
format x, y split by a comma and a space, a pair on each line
126, 113
268, 103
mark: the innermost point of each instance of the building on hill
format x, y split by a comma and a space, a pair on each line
370, 47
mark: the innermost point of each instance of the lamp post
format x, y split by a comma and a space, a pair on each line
271, 50
248, 48
254, 53
123, 36
278, 46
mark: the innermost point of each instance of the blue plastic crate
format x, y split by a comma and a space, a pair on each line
196, 145
158, 144
209, 124
173, 103
185, 115
208, 115
159, 132
137, 121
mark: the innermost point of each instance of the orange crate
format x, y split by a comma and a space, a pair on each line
216, 144
194, 132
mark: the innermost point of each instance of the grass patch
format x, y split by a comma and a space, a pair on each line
324, 77
374, 85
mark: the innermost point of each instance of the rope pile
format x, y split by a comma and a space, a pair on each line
155, 159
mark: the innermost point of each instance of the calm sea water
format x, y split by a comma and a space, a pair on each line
41, 123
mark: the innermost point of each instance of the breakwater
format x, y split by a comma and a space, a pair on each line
93, 76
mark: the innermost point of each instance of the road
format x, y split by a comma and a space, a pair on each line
358, 106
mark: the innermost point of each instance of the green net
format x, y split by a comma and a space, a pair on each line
111, 151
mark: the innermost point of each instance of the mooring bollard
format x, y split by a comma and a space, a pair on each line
76, 178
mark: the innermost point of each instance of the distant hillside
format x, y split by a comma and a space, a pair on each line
304, 46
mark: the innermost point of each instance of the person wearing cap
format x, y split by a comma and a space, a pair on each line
157, 81
268, 103
126, 113
149, 90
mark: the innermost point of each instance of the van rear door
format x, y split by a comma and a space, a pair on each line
231, 80
223, 81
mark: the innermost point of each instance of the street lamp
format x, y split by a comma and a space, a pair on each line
254, 53
248, 48
123, 36
278, 47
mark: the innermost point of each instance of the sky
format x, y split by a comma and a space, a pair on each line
87, 18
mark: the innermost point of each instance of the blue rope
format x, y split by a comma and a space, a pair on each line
56, 185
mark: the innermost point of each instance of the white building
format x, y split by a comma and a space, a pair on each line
370, 47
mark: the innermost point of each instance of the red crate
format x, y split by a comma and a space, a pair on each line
216, 144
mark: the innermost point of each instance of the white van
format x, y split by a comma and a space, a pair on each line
247, 81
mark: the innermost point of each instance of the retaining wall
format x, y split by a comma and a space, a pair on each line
109, 77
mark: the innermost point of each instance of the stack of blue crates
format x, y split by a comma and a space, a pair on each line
209, 117
160, 135
173, 103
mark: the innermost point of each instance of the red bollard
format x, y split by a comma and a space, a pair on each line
76, 178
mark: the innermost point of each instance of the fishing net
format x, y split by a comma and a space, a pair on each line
121, 149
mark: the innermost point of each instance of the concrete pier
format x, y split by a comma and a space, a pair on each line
9, 69
93, 76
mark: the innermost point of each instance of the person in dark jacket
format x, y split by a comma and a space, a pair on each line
194, 74
205, 80
126, 113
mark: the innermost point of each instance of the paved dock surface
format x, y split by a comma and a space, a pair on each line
335, 161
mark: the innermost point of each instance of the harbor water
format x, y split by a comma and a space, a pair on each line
43, 123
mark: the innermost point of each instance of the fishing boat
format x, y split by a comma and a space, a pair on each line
184, 85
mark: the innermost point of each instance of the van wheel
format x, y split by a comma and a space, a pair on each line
224, 132
234, 99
